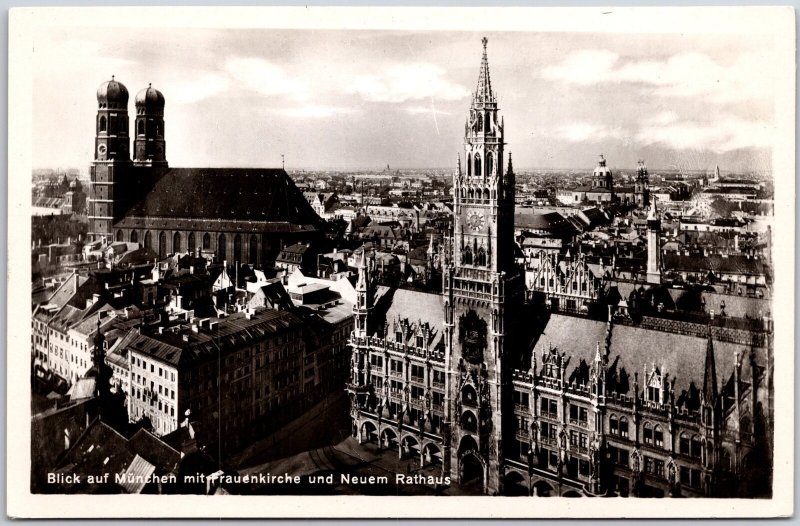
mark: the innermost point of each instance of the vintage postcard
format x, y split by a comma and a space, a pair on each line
401, 262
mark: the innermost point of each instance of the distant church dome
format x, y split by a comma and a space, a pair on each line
601, 170
150, 97
112, 93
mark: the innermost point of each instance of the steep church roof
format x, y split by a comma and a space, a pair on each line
257, 199
679, 355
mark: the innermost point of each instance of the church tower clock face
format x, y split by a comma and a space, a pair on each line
476, 221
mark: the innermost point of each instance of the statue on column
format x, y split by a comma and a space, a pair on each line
428, 407
636, 461
672, 477
407, 402
594, 456
385, 396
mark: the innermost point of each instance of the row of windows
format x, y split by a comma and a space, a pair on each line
191, 245
162, 372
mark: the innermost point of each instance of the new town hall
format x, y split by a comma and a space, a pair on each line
514, 397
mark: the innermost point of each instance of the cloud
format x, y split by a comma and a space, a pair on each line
314, 111
266, 79
586, 132
686, 75
584, 67
724, 135
191, 89
424, 110
69, 55
407, 82
665, 117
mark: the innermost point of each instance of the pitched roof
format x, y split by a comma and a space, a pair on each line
179, 346
678, 355
261, 198
714, 263
412, 305
137, 474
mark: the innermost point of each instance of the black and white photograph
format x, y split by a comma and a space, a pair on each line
456, 255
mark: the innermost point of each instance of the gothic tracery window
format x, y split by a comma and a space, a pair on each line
477, 164
466, 257
480, 257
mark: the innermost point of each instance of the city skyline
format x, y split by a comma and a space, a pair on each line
334, 100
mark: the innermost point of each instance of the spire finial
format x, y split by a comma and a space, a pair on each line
112, 77
484, 91
149, 84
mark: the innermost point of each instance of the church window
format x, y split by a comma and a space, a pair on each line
119, 235
191, 247
477, 164
467, 256
623, 427
521, 398
480, 258
697, 447
549, 408
237, 248
683, 445
176, 242
140, 127
253, 259
206, 241
648, 433
222, 250
578, 414
469, 164
489, 161
658, 435
396, 366
148, 240
162, 245
487, 124
103, 123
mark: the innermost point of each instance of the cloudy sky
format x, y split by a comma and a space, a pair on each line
362, 99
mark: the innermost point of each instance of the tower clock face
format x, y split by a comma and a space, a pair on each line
101, 150
475, 221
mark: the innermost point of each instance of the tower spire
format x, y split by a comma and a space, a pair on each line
710, 375
484, 92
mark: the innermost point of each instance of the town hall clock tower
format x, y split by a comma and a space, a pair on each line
483, 291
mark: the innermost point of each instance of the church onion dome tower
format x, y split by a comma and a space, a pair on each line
111, 157
150, 98
112, 95
149, 146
